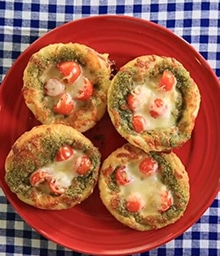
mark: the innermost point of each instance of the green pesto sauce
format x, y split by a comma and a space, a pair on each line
112, 183
169, 179
123, 85
71, 54
18, 180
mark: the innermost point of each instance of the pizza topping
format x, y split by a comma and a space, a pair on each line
38, 177
56, 188
86, 91
54, 87
153, 103
43, 177
57, 176
166, 201
70, 69
122, 176
136, 90
157, 108
148, 166
67, 86
84, 165
141, 187
134, 203
67, 92
138, 123
133, 99
64, 153
167, 81
65, 105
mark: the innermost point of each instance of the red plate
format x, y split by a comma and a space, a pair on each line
89, 228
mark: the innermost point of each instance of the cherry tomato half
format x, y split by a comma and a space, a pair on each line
134, 204
41, 176
148, 166
138, 123
84, 166
65, 105
56, 189
87, 90
70, 69
167, 81
132, 102
38, 177
121, 175
166, 201
64, 153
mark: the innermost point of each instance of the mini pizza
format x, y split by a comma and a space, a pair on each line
52, 167
144, 191
67, 84
153, 103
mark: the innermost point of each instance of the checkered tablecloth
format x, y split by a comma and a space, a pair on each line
23, 21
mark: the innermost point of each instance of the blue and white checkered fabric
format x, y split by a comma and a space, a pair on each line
23, 21
17, 238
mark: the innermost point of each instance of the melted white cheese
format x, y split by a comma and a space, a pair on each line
62, 172
72, 89
148, 188
146, 94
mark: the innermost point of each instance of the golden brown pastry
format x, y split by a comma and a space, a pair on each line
153, 103
52, 167
144, 191
67, 84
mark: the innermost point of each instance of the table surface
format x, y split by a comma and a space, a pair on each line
22, 22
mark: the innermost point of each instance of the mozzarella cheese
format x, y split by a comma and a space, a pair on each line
72, 89
148, 188
62, 172
146, 95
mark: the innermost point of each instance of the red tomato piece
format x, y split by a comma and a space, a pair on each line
157, 108
84, 166
132, 102
134, 204
166, 201
167, 81
56, 189
64, 153
132, 99
41, 176
148, 166
65, 105
38, 177
138, 123
70, 69
87, 90
121, 175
